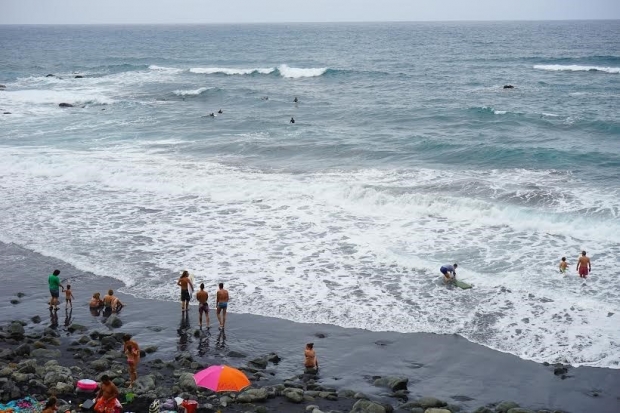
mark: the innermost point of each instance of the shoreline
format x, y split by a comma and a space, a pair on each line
447, 367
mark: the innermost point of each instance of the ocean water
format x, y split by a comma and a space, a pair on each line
406, 154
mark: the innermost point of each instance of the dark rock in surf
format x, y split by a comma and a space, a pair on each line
509, 87
7, 113
2, 87
79, 77
49, 75
393, 383
65, 105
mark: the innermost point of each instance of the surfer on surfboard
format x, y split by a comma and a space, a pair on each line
449, 272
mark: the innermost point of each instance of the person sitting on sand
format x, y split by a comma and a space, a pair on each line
185, 283
311, 362
107, 401
221, 303
584, 267
449, 272
50, 406
563, 265
203, 304
111, 303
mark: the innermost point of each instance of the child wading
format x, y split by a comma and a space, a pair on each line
69, 296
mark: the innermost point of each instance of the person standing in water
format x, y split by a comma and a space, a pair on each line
69, 296
185, 283
221, 302
449, 272
563, 265
54, 285
584, 267
203, 305
311, 363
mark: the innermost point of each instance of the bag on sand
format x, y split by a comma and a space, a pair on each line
170, 404
88, 404
154, 407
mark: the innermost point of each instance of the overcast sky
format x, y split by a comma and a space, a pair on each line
258, 11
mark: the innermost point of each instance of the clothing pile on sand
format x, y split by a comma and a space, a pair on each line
25, 405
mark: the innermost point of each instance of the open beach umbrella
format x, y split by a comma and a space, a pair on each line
221, 378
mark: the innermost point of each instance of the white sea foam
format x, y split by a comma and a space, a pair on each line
499, 112
368, 244
166, 69
192, 92
296, 73
230, 71
577, 68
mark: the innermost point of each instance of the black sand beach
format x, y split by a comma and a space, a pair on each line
446, 367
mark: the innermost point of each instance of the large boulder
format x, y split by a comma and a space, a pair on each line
9, 391
76, 327
366, 406
100, 365
260, 362
65, 105
16, 330
253, 396
293, 395
63, 388
503, 407
109, 343
7, 354
187, 383
113, 321
145, 384
23, 350
393, 383
57, 374
429, 402
45, 354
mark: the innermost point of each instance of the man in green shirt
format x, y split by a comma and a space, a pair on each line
54, 284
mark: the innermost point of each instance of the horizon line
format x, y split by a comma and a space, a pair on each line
305, 22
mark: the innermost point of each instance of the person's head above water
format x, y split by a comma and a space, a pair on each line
583, 253
221, 285
185, 274
563, 258
202, 286
110, 292
310, 346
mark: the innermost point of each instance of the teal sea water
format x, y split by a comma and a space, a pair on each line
407, 153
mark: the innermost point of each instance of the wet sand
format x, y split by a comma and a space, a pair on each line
446, 367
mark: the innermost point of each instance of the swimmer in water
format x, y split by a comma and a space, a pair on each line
292, 120
563, 265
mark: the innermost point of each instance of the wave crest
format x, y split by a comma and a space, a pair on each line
193, 92
231, 71
296, 73
577, 68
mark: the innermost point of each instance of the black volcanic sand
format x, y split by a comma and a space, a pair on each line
447, 367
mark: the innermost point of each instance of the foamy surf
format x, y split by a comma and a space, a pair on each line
368, 244
231, 71
577, 68
191, 92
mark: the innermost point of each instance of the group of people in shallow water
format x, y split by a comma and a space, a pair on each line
221, 300
584, 266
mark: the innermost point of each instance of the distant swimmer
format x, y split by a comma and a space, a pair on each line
265, 98
584, 267
295, 100
212, 114
292, 120
449, 272
220, 111
563, 265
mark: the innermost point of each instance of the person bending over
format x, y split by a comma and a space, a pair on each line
449, 272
